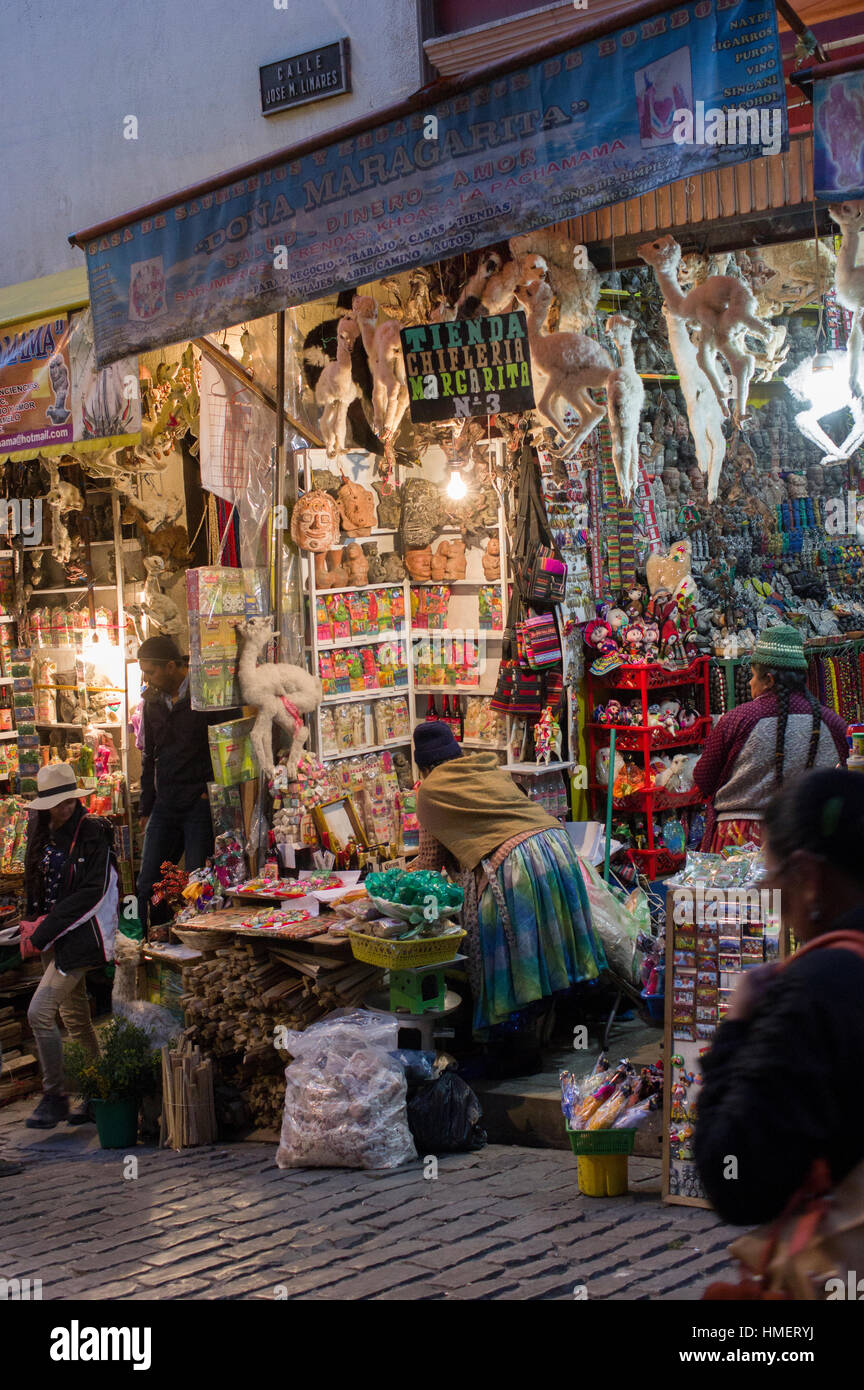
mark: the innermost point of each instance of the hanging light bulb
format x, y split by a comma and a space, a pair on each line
828, 387
456, 486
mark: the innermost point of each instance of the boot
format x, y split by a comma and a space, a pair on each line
82, 1114
51, 1109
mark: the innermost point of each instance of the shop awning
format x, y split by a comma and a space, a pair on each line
543, 136
50, 294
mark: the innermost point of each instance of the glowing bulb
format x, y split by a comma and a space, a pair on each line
828, 388
456, 487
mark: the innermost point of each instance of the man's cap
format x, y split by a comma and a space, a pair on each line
160, 649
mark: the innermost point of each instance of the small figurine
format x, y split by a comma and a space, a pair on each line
634, 641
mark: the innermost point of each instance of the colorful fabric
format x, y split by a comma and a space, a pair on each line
729, 833
553, 945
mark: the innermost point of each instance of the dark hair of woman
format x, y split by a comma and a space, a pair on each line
821, 812
788, 683
37, 839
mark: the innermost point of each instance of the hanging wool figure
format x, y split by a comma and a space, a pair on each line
724, 310
283, 694
336, 389
625, 396
566, 366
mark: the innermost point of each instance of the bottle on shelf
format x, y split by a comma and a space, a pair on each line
452, 717
431, 710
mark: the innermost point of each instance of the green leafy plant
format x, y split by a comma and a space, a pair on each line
127, 1068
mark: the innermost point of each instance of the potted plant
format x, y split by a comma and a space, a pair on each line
116, 1081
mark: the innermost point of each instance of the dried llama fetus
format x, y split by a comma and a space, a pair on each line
336, 389
722, 307
387, 365
567, 365
625, 396
849, 280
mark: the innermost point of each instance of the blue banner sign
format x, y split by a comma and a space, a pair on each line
691, 89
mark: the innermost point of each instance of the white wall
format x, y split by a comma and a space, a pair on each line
188, 70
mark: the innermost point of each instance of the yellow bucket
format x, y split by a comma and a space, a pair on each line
602, 1175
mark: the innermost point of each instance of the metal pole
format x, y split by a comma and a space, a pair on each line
609, 795
279, 488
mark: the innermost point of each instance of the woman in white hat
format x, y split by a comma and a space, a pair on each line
70, 878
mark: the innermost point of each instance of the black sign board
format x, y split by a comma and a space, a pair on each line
322, 72
468, 367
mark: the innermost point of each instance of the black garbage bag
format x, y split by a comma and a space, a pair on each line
443, 1116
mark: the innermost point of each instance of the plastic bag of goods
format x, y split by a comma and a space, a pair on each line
345, 1096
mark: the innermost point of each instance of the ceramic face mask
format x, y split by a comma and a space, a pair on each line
315, 522
357, 509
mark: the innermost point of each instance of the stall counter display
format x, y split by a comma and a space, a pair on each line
717, 928
661, 719
218, 599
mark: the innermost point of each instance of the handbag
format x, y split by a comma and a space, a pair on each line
503, 696
539, 571
539, 644
527, 694
819, 1237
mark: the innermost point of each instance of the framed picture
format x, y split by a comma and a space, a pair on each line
338, 820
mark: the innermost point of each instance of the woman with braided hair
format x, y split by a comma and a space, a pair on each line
781, 731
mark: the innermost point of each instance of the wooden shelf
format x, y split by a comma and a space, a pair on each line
537, 769
357, 697
358, 588
368, 641
367, 748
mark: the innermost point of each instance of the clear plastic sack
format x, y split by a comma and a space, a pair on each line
345, 1097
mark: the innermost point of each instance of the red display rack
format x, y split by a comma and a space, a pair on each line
647, 739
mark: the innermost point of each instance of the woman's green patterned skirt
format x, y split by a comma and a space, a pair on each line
553, 945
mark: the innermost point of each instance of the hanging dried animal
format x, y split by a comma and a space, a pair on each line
471, 297
724, 310
625, 396
282, 693
566, 364
315, 522
336, 389
161, 611
500, 288
787, 276
576, 286
704, 411
774, 354
61, 499
849, 281
387, 365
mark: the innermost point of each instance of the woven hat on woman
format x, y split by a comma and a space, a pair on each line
780, 649
434, 743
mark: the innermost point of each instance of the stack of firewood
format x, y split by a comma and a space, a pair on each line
238, 998
188, 1110
20, 1073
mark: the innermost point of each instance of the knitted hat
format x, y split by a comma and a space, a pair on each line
434, 743
160, 649
780, 649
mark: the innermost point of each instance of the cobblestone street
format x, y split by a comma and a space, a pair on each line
226, 1223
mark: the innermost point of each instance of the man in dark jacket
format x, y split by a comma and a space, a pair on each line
176, 767
71, 884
